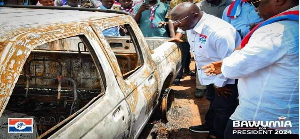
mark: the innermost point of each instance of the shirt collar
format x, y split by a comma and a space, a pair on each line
293, 8
200, 24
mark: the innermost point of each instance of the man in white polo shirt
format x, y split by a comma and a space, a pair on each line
267, 66
211, 39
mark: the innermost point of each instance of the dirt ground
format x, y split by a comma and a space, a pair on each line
185, 111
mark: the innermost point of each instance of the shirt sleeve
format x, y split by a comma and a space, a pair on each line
225, 17
179, 30
252, 18
263, 49
245, 31
224, 44
136, 9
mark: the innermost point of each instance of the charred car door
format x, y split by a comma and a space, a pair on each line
134, 70
64, 83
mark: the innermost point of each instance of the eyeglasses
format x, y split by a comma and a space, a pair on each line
180, 20
255, 3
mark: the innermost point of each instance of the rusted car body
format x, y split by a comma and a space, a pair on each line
59, 67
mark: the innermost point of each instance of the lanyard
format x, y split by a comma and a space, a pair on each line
152, 14
130, 11
235, 8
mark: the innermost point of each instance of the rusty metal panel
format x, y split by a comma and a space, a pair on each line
167, 55
18, 39
18, 49
141, 89
121, 44
100, 114
99, 26
167, 62
154, 42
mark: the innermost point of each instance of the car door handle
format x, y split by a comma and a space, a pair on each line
150, 77
117, 114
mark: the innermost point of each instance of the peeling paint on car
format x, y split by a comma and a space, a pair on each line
140, 92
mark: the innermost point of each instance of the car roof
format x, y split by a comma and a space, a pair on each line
16, 18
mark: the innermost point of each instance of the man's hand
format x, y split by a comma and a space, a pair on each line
238, 48
144, 7
213, 68
137, 16
175, 40
223, 91
123, 30
162, 24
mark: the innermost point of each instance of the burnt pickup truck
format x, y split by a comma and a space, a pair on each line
62, 68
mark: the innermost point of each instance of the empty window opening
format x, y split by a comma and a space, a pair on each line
58, 80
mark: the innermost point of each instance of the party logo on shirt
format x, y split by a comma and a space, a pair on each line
202, 38
20, 125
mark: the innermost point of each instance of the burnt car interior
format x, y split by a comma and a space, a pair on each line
58, 80
125, 49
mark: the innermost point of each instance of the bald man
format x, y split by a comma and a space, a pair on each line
267, 67
211, 39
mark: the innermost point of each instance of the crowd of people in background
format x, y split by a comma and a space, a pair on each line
246, 53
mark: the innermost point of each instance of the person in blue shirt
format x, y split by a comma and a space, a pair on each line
107, 5
150, 16
67, 3
242, 17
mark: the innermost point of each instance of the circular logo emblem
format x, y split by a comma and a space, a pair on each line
20, 125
